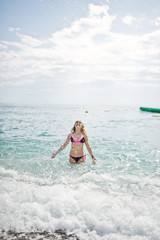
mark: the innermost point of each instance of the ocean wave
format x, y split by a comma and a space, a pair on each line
92, 206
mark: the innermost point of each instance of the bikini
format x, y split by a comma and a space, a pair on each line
81, 140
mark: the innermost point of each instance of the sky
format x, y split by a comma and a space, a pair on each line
80, 52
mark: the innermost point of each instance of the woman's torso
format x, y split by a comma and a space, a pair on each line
77, 141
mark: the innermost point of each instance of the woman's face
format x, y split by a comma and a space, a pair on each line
78, 124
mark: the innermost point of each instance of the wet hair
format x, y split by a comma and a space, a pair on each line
82, 128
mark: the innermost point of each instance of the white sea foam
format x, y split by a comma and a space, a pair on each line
90, 209
117, 199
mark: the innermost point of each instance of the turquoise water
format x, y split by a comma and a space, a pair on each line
118, 198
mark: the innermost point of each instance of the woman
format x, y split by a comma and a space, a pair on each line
77, 137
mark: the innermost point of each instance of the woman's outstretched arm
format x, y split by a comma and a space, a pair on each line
89, 149
63, 146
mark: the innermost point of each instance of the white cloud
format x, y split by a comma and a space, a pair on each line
2, 46
12, 29
16, 83
157, 21
87, 51
99, 11
30, 41
98, 21
129, 20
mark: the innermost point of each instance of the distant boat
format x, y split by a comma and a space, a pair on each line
157, 110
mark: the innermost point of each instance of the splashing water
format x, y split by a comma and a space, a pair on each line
116, 199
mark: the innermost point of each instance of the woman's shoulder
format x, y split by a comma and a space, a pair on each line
85, 135
70, 135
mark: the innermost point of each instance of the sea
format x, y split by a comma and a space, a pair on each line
116, 199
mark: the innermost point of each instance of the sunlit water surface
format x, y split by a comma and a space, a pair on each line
116, 199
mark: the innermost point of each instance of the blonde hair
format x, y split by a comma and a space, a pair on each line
82, 128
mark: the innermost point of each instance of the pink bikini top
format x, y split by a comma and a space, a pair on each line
81, 140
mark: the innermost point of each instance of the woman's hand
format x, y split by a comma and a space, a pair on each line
53, 155
93, 160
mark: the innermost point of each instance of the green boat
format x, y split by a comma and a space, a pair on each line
157, 110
